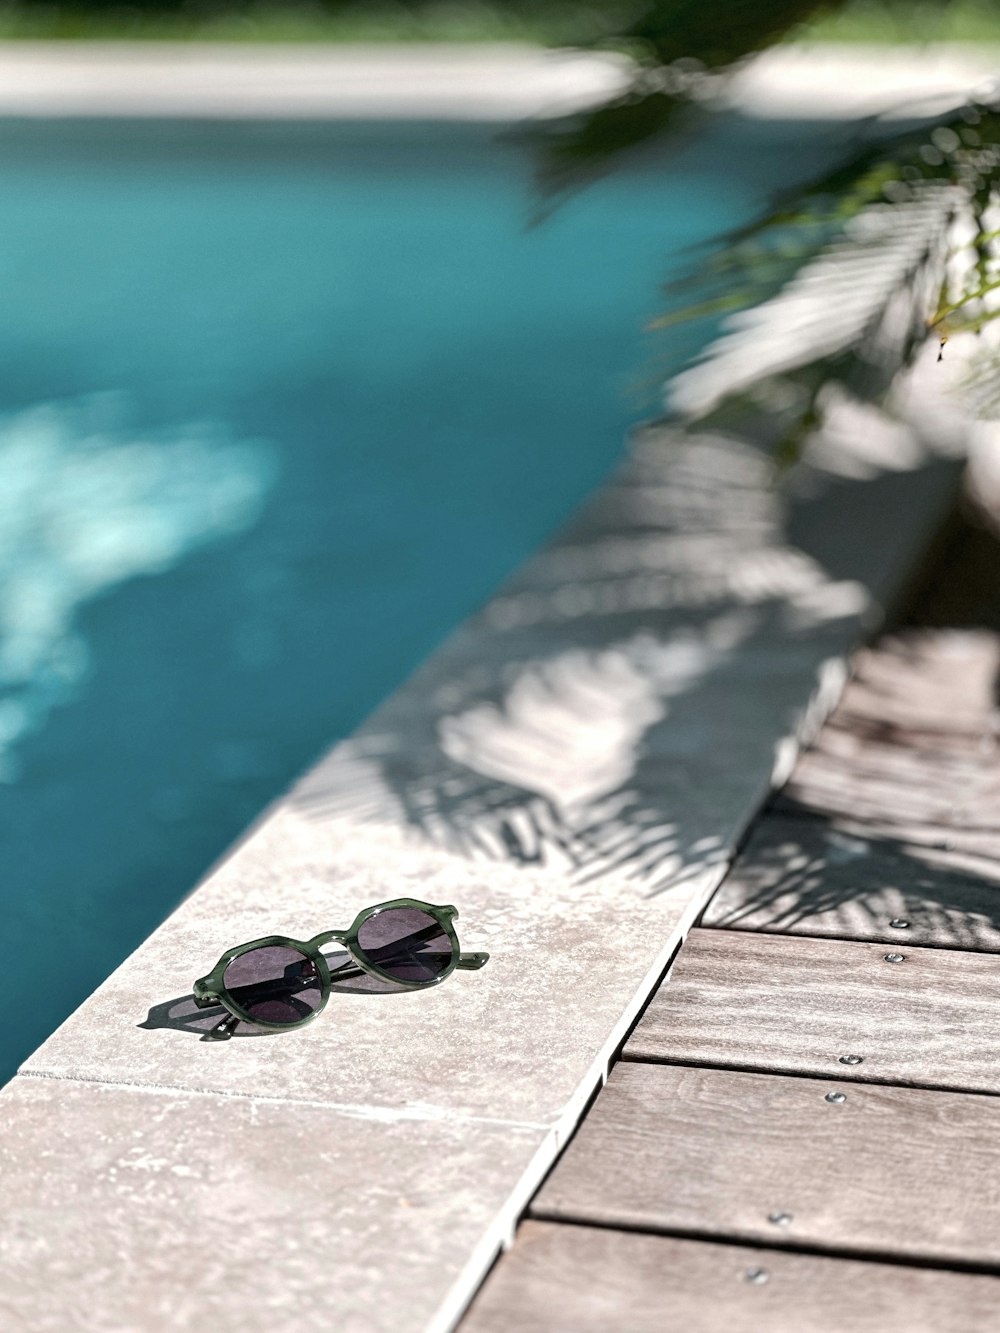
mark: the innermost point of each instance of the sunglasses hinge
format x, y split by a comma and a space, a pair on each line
203, 997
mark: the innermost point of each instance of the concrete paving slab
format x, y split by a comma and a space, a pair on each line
130, 1212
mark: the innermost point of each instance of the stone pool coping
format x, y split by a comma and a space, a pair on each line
231, 81
495, 82
574, 769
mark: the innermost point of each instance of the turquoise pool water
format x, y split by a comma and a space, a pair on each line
280, 406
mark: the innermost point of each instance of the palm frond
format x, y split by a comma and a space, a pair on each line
679, 49
842, 281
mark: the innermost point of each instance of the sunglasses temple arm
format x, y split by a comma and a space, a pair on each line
222, 1030
472, 962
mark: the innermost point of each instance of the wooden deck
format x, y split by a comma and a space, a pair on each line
803, 1131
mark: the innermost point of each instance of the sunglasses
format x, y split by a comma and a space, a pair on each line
278, 983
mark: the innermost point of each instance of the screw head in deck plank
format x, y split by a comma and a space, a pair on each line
572, 1279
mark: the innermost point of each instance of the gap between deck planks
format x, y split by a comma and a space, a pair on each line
893, 815
784, 1004
592, 1280
902, 1173
844, 879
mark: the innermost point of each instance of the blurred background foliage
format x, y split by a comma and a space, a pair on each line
840, 285
554, 22
910, 214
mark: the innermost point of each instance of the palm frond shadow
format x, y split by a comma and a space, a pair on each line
803, 874
637, 673
887, 828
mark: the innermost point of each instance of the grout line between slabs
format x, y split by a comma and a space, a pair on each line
359, 1111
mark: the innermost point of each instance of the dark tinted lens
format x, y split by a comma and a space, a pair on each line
406, 943
274, 984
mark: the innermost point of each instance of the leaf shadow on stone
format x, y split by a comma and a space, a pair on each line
615, 710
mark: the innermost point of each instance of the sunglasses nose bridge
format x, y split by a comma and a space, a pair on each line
328, 937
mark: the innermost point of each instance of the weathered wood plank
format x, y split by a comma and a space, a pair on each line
775, 1002
839, 879
940, 682
572, 1279
898, 1172
914, 739
900, 781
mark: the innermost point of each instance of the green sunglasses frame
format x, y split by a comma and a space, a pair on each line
210, 991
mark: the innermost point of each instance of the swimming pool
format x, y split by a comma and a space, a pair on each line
281, 404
